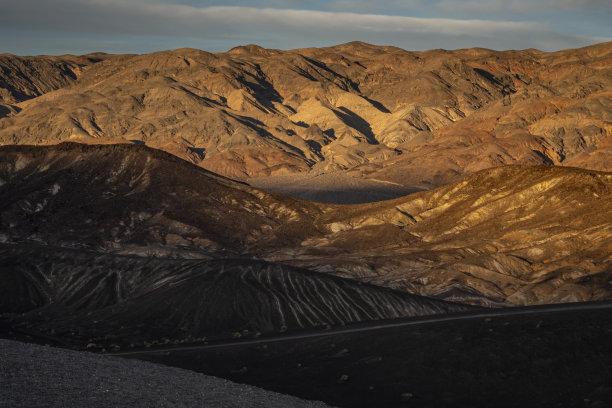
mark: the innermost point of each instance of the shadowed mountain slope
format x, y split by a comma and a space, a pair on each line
420, 119
515, 234
120, 195
80, 297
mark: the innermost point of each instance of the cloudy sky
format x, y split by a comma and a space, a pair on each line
30, 27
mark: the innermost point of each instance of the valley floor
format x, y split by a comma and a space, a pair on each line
555, 356
337, 188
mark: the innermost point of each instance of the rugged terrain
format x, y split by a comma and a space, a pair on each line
103, 302
510, 235
515, 234
420, 119
124, 195
145, 239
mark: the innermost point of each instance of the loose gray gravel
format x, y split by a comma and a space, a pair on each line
38, 376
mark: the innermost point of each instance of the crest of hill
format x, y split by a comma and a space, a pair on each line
252, 49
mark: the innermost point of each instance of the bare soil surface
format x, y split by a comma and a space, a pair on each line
540, 357
38, 376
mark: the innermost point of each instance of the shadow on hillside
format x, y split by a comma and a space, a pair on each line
4, 111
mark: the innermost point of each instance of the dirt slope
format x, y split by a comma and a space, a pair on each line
33, 375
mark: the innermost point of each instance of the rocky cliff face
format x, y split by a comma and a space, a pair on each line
509, 235
421, 119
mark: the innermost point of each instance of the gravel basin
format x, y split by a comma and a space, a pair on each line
38, 376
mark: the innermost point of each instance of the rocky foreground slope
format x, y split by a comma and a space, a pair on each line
509, 235
420, 119
36, 376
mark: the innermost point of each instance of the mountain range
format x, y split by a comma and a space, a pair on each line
417, 119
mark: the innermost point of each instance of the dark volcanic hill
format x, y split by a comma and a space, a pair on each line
117, 196
79, 297
509, 235
420, 119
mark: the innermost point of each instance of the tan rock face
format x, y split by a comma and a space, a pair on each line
421, 119
508, 235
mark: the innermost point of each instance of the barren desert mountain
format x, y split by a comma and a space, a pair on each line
124, 244
418, 119
510, 235
357, 224
516, 234
25, 78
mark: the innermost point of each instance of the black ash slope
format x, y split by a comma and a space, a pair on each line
78, 297
556, 356
36, 376
129, 198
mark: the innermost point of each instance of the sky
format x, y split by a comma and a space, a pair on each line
33, 27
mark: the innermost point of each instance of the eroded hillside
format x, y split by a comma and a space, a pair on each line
509, 235
420, 119
516, 234
81, 297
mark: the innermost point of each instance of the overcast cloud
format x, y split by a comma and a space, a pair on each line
79, 26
